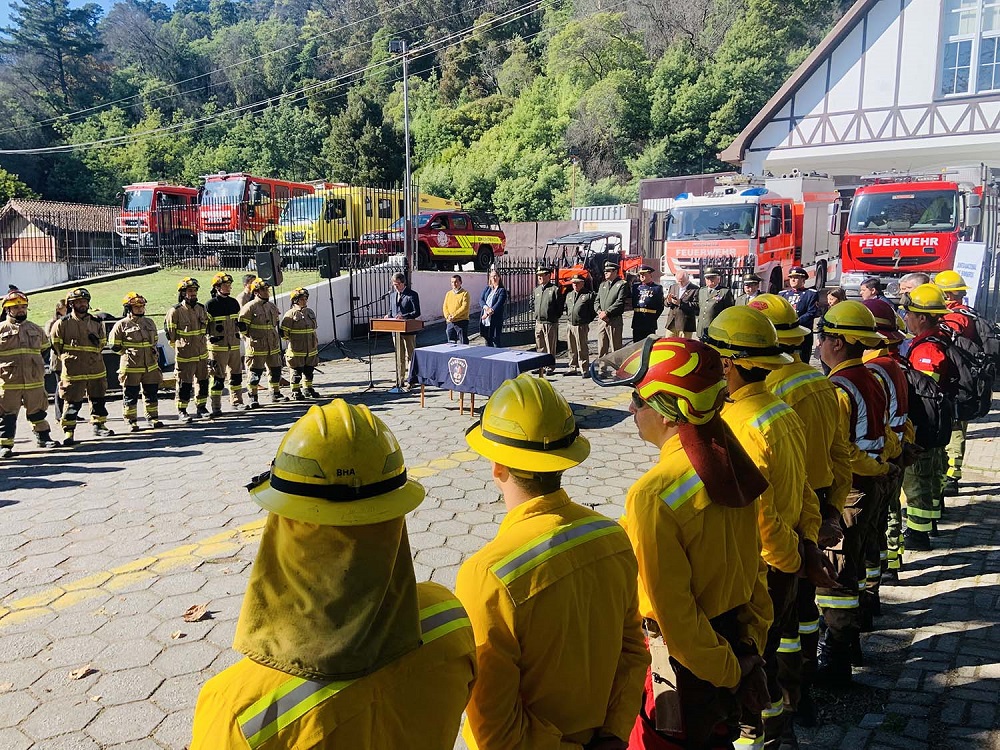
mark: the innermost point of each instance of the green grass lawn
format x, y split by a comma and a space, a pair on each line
159, 289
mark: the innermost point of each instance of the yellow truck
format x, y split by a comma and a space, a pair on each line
339, 214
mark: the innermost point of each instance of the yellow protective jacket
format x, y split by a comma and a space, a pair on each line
261, 319
774, 438
298, 326
456, 304
814, 399
21, 365
861, 463
697, 560
554, 604
135, 339
78, 342
413, 702
186, 327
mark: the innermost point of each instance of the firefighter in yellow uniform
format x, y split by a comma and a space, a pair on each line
186, 326
692, 519
553, 598
813, 398
78, 338
298, 328
224, 344
134, 337
258, 322
789, 516
22, 375
846, 331
344, 649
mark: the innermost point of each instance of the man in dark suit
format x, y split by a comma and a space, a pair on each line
682, 306
404, 304
805, 303
647, 304
713, 298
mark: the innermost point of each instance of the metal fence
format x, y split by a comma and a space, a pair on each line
370, 290
517, 273
731, 269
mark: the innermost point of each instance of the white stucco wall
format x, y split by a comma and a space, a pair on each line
29, 275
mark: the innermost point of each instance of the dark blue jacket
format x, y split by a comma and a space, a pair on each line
806, 306
405, 303
498, 306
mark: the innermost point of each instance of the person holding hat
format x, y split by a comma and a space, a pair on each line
610, 309
22, 374
580, 312
692, 519
258, 322
682, 306
789, 515
647, 304
186, 325
224, 344
923, 482
806, 305
548, 305
553, 598
887, 364
78, 339
751, 289
298, 328
134, 337
846, 331
713, 298
813, 398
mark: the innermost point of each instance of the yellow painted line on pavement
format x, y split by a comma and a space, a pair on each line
219, 546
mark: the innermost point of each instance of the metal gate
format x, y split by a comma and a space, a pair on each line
370, 289
731, 268
517, 274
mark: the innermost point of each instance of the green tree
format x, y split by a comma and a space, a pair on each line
53, 43
363, 147
12, 187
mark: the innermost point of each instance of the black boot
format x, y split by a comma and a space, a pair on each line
788, 738
805, 714
6, 452
857, 655
44, 440
834, 670
102, 430
916, 541
951, 487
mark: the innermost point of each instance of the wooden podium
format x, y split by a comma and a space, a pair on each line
393, 325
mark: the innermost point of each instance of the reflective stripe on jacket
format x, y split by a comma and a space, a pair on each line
415, 701
80, 357
298, 326
222, 315
136, 337
863, 463
261, 317
553, 601
186, 326
21, 365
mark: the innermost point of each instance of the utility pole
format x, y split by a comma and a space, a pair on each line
399, 47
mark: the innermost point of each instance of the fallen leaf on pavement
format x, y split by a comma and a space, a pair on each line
196, 612
78, 674
96, 698
177, 634
5, 686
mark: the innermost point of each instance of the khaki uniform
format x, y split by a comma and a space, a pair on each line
548, 304
185, 327
22, 377
610, 300
224, 349
298, 327
579, 314
259, 319
139, 369
83, 375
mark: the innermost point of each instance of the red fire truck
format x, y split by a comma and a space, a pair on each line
241, 209
899, 223
158, 213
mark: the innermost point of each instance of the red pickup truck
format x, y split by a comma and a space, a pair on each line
444, 238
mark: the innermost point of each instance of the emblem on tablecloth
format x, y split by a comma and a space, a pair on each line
457, 368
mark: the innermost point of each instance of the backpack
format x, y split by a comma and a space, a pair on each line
930, 409
974, 377
989, 335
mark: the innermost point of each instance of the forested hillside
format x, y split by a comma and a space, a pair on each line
504, 95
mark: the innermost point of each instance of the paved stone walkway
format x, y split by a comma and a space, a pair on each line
103, 548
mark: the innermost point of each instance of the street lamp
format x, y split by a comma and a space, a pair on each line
399, 47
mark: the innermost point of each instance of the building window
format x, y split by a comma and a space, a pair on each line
971, 55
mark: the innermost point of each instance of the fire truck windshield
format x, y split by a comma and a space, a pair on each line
707, 222
137, 200
303, 208
904, 211
224, 191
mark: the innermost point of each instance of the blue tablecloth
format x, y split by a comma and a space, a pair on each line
472, 369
